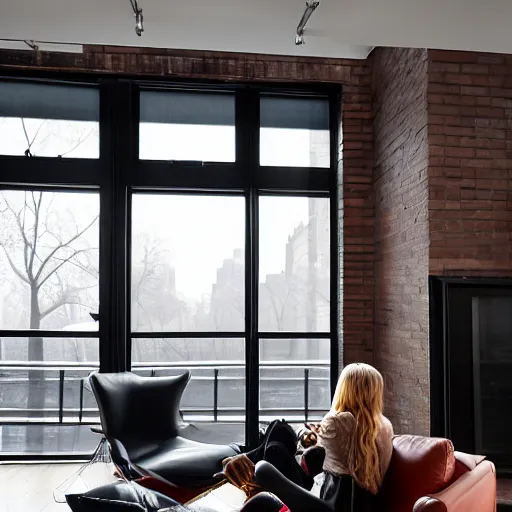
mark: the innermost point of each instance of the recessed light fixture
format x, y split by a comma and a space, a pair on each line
139, 17
311, 5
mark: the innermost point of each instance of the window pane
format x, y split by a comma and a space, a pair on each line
213, 404
187, 263
290, 370
31, 372
294, 132
53, 350
49, 120
48, 260
187, 126
47, 439
294, 271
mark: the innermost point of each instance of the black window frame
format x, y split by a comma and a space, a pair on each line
119, 173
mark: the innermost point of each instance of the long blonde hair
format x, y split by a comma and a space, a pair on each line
360, 392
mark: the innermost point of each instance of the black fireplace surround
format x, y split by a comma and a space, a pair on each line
471, 365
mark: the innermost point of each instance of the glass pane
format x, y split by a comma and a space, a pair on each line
49, 120
213, 404
52, 350
294, 132
295, 263
294, 379
30, 390
47, 439
187, 126
48, 260
492, 360
187, 263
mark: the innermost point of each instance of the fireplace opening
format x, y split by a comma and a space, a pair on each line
471, 365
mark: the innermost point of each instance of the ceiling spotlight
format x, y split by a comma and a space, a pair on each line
311, 5
139, 17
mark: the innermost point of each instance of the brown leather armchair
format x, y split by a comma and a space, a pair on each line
425, 475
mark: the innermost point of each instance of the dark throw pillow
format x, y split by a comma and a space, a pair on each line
119, 497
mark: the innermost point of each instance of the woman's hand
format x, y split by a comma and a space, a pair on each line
308, 438
314, 427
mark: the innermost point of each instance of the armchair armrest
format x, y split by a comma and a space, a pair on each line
294, 497
474, 491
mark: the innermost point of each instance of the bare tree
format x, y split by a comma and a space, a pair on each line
47, 256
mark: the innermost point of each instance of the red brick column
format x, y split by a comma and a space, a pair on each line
358, 221
470, 171
402, 235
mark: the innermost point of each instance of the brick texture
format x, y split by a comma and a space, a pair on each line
358, 223
402, 234
470, 171
191, 64
355, 152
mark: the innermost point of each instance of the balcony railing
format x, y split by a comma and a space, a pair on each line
308, 374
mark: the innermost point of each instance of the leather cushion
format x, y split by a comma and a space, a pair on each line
179, 494
78, 503
118, 497
138, 411
419, 466
184, 462
464, 462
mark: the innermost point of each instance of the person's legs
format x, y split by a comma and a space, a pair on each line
279, 456
277, 431
294, 497
313, 460
263, 502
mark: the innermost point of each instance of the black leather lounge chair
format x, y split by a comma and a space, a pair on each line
140, 419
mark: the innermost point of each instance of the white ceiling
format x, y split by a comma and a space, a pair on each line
338, 28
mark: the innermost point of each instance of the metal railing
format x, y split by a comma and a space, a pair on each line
89, 415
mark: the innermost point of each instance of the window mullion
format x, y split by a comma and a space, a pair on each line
247, 157
117, 146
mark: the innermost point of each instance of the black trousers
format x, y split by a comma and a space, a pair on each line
278, 447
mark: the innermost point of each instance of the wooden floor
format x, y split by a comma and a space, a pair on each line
29, 487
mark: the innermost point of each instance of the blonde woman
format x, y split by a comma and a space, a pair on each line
357, 440
356, 436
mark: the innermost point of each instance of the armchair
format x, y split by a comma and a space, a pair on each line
140, 419
425, 475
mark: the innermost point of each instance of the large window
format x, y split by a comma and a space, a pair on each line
191, 228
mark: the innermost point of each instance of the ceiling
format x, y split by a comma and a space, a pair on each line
338, 28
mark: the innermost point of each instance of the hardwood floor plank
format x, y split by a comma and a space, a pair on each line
29, 487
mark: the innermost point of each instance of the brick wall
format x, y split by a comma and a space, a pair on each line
470, 172
358, 222
355, 162
402, 234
